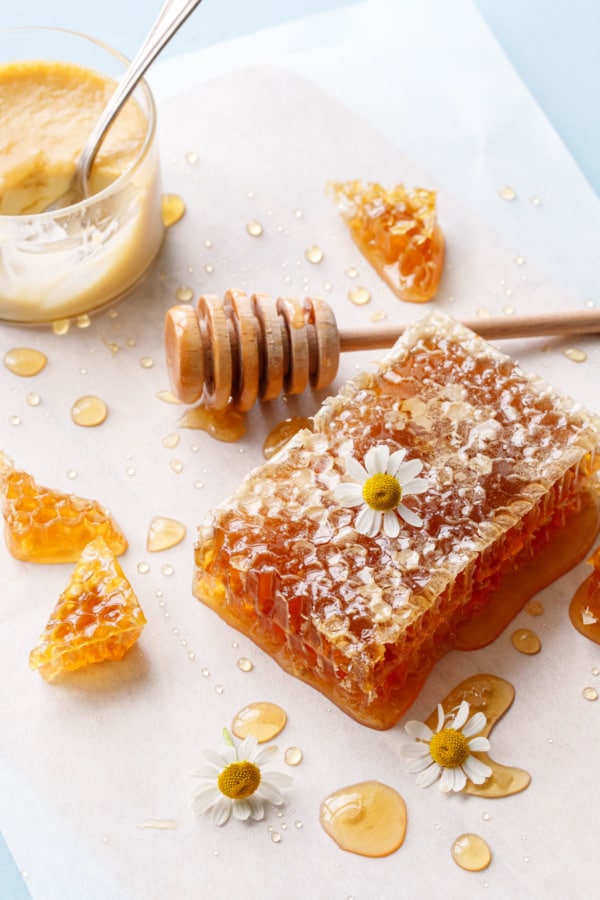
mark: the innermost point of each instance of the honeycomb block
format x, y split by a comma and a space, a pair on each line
96, 618
506, 461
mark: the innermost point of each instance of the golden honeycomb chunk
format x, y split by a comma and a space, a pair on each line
509, 465
96, 618
46, 526
397, 231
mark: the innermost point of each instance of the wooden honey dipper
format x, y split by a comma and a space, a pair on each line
244, 348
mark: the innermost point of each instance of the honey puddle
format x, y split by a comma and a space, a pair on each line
368, 818
567, 547
227, 425
584, 609
25, 361
470, 852
281, 434
263, 720
492, 696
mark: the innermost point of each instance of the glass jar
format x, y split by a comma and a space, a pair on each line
58, 264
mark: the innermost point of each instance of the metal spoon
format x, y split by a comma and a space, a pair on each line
169, 20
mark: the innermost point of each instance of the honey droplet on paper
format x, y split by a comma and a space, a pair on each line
359, 296
575, 354
83, 321
244, 664
470, 852
191, 157
33, 399
146, 362
507, 193
227, 425
61, 326
172, 209
89, 411
168, 397
184, 294
160, 824
171, 441
282, 432
368, 818
25, 361
378, 315
314, 254
535, 608
352, 272
526, 641
254, 228
176, 465
263, 720
164, 533
589, 693
293, 756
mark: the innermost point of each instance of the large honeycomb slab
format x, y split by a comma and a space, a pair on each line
506, 459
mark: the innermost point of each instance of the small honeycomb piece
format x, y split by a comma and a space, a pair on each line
96, 618
46, 526
508, 463
397, 231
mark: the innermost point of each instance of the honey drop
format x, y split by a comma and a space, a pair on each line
25, 361
368, 818
359, 296
184, 294
589, 693
507, 193
575, 354
584, 609
254, 228
61, 326
262, 720
89, 411
227, 425
535, 608
244, 664
470, 852
164, 533
526, 641
314, 254
281, 434
172, 209
293, 756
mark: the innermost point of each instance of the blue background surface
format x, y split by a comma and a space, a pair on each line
552, 45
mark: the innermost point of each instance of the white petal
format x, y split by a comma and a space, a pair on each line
207, 771
247, 749
395, 461
368, 521
414, 486
257, 808
478, 744
241, 810
376, 459
409, 470
348, 493
418, 730
204, 799
414, 749
460, 779
475, 724
427, 778
441, 718
410, 517
419, 765
391, 525
218, 760
447, 780
355, 470
222, 811
264, 755
277, 779
475, 770
461, 716
270, 793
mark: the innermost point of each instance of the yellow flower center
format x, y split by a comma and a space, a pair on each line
382, 492
449, 748
239, 780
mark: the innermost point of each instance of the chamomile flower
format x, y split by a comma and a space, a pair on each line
235, 782
447, 753
380, 486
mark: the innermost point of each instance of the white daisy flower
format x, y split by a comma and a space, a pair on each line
233, 781
447, 753
380, 486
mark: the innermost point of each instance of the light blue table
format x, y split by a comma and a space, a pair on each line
553, 46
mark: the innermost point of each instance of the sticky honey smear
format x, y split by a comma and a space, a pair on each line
46, 526
96, 618
397, 231
492, 696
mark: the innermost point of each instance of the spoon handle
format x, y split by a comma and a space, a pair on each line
171, 17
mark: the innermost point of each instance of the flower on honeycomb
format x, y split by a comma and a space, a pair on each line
447, 753
379, 487
233, 780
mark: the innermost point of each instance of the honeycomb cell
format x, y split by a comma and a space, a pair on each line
46, 526
96, 618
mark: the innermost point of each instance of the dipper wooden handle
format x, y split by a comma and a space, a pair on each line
243, 348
